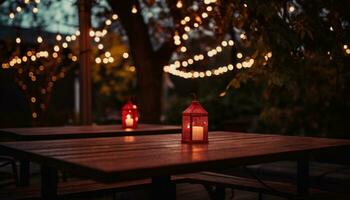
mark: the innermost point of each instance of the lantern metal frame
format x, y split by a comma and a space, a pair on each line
195, 116
130, 109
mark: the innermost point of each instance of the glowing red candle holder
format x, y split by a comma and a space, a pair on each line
195, 124
130, 116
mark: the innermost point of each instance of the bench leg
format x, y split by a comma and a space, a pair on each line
216, 193
303, 177
24, 171
49, 179
162, 188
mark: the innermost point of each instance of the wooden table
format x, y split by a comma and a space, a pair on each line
70, 132
160, 156
87, 131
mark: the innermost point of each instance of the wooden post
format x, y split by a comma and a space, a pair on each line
85, 71
49, 179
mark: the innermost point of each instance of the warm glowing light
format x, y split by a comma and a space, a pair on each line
231, 43
74, 58
114, 16
100, 46
230, 67
132, 68
35, 10
125, 55
68, 38
64, 44
269, 54
56, 48
58, 37
107, 54
92, 33
18, 40
134, 9
204, 15
243, 36
98, 60
179, 4
185, 36
239, 55
291, 9
12, 15
39, 39
108, 22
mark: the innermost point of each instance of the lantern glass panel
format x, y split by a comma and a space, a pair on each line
129, 115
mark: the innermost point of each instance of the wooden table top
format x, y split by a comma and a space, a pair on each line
87, 131
134, 157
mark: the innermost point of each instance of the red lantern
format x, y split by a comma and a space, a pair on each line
195, 124
129, 115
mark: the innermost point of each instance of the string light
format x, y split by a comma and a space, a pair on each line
179, 4
39, 39
209, 53
291, 9
125, 55
247, 63
134, 9
35, 10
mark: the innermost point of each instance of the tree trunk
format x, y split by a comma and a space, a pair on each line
148, 65
84, 7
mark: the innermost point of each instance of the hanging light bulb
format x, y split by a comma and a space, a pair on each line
39, 39
35, 10
18, 40
179, 4
58, 37
134, 9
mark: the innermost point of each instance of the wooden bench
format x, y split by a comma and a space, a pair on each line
77, 187
218, 180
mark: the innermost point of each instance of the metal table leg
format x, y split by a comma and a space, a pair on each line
24, 173
162, 188
303, 177
49, 179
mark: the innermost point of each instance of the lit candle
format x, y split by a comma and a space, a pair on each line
129, 121
197, 133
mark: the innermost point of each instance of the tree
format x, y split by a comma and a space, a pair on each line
149, 63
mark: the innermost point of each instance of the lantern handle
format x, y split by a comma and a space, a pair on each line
194, 96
